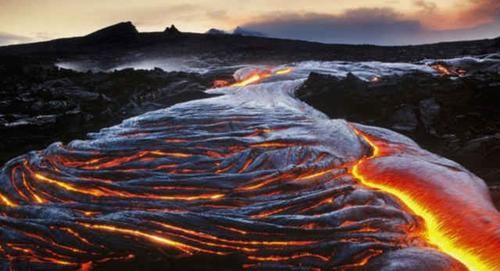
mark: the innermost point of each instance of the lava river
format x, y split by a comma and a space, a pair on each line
252, 179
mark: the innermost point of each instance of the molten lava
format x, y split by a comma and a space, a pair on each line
446, 70
253, 179
220, 83
463, 227
252, 77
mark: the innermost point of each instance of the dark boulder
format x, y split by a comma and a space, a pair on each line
404, 119
429, 112
483, 155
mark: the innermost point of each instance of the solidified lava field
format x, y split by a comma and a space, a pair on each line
252, 179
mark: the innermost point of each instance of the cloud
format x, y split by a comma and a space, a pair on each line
217, 14
382, 26
6, 38
469, 14
481, 11
425, 6
377, 26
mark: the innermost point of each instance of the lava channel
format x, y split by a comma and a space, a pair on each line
253, 179
459, 217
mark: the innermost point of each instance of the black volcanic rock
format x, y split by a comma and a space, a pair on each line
482, 153
40, 105
114, 33
172, 30
458, 118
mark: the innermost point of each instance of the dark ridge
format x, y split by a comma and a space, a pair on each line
247, 32
122, 40
115, 33
172, 30
215, 31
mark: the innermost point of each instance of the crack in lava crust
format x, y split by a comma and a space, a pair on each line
254, 179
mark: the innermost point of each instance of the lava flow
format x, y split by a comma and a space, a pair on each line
252, 179
443, 69
459, 217
253, 76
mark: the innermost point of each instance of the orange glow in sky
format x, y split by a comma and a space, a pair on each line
42, 20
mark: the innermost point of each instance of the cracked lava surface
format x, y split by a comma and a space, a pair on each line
253, 179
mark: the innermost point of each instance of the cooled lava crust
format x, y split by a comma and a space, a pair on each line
254, 180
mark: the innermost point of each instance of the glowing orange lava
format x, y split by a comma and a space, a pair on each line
445, 70
253, 77
466, 228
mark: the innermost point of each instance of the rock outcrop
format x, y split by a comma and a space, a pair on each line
40, 105
457, 118
172, 30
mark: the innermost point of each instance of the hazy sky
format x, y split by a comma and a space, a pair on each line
365, 21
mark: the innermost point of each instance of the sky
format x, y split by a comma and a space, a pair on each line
332, 21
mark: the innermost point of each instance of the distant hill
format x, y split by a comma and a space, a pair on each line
215, 31
247, 32
118, 32
122, 40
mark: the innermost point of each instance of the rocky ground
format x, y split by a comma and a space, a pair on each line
458, 118
40, 104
